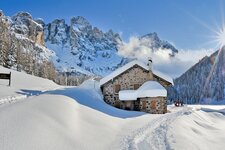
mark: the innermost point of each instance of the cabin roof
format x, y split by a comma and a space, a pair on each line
148, 89
128, 66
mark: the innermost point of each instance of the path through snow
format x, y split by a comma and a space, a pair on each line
152, 136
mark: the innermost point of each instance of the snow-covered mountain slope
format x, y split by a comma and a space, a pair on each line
78, 118
81, 47
204, 82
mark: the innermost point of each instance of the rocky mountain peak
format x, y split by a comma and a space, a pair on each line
23, 24
56, 31
155, 43
40, 21
98, 33
113, 36
79, 45
22, 15
80, 24
153, 36
59, 22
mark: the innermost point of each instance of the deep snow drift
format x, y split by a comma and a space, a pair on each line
59, 118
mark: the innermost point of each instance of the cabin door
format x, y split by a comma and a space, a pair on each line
144, 105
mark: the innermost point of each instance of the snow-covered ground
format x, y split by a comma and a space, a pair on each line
20, 82
67, 118
202, 128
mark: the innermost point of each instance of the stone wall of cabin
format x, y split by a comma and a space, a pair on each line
131, 79
156, 105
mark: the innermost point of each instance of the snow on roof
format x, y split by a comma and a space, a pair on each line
162, 75
148, 89
128, 66
128, 95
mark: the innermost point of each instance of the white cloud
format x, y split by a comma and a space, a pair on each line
141, 49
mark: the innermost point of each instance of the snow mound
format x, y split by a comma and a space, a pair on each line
198, 130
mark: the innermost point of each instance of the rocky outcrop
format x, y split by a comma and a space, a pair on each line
23, 23
22, 46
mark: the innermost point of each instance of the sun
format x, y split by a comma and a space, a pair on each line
220, 36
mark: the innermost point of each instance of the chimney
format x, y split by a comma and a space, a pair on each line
149, 64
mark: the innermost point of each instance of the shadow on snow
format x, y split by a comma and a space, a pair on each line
222, 111
87, 97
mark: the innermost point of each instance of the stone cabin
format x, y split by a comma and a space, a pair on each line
136, 86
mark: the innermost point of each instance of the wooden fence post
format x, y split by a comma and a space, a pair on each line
10, 78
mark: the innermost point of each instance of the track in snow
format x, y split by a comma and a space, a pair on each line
152, 136
12, 99
17, 97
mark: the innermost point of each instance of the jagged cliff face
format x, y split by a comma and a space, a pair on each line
202, 83
23, 24
81, 47
22, 43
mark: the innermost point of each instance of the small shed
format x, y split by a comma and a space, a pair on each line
136, 86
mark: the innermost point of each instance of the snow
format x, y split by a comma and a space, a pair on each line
151, 89
184, 128
54, 118
131, 64
19, 82
128, 95
91, 61
45, 54
162, 75
205, 129
148, 89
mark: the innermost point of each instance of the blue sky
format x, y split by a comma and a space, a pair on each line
178, 21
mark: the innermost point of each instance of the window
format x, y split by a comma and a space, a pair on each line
117, 88
136, 86
153, 104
